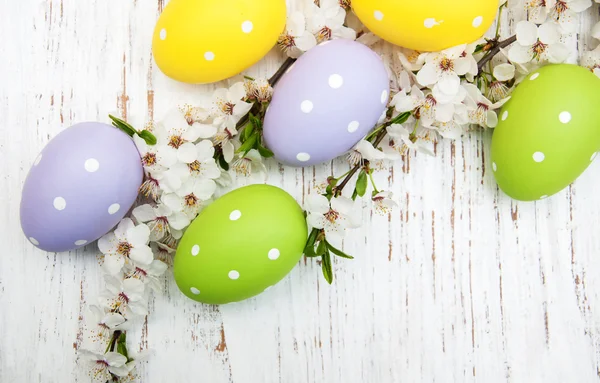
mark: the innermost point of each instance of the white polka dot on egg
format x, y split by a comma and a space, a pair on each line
60, 203
336, 81
565, 117
594, 156
430, 23
505, 115
34, 241
81, 242
274, 254
209, 56
353, 126
494, 166
163, 34
539, 157
114, 208
234, 274
37, 160
91, 165
195, 250
235, 215
303, 157
384, 97
306, 106
247, 26
534, 76
195, 291
378, 15
477, 21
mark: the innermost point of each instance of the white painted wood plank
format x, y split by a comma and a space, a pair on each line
460, 284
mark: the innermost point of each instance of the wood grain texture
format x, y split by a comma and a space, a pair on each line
460, 284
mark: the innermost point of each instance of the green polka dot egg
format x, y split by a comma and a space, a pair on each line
240, 245
549, 132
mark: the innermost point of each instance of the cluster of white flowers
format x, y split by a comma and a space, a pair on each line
183, 171
434, 95
445, 93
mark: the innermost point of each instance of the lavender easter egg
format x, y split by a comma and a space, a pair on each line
80, 186
326, 103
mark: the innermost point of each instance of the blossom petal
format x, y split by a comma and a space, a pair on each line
187, 153
317, 203
343, 205
141, 254
144, 213
107, 244
138, 235
133, 288
527, 33
113, 263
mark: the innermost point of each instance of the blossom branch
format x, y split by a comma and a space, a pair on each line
493, 48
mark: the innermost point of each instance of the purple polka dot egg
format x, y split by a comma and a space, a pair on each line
326, 103
80, 186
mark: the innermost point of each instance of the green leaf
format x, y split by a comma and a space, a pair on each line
321, 248
326, 266
362, 183
222, 163
147, 136
249, 144
248, 130
401, 118
256, 121
338, 252
122, 345
265, 152
309, 248
124, 126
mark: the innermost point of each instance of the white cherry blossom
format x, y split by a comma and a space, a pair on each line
334, 216
127, 243
539, 43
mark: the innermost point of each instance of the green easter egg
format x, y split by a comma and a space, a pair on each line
549, 132
240, 245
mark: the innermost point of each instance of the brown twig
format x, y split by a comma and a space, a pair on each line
281, 71
495, 50
338, 189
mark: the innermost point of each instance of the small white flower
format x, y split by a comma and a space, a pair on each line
591, 60
193, 195
195, 161
384, 202
504, 72
155, 217
228, 106
327, 21
404, 137
334, 216
174, 130
250, 163
125, 296
155, 158
442, 71
364, 150
481, 110
102, 324
148, 273
296, 39
536, 9
565, 12
538, 43
103, 365
258, 90
127, 242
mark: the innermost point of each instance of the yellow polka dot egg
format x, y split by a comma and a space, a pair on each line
427, 25
207, 41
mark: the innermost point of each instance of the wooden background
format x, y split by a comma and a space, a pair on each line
460, 284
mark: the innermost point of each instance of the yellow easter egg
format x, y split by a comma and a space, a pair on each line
427, 25
205, 41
